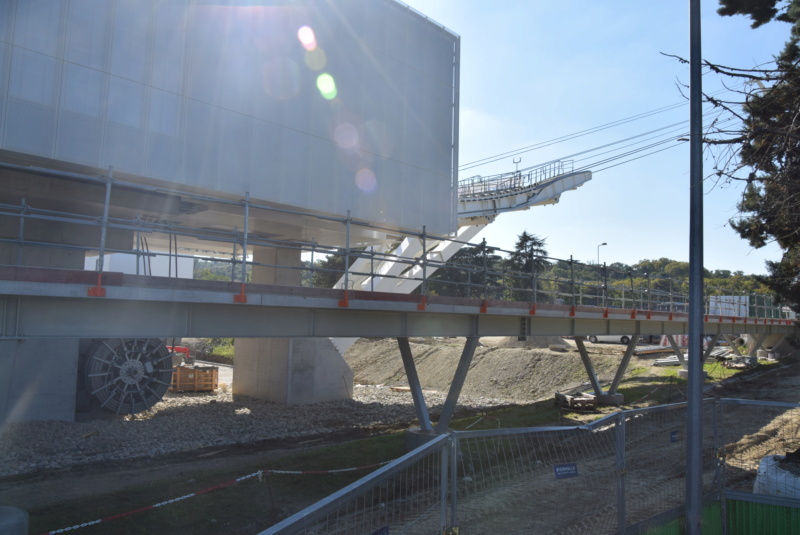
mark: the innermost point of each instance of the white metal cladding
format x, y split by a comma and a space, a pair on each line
226, 98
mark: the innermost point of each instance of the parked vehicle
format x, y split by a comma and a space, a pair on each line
611, 338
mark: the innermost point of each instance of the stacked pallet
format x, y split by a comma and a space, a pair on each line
195, 379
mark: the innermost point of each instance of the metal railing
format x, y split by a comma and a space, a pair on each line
477, 271
409, 493
624, 474
507, 183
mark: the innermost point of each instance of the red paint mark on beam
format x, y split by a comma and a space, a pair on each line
98, 290
241, 297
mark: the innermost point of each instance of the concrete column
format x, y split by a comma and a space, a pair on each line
288, 370
38, 378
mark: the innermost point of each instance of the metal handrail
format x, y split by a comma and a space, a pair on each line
553, 280
510, 182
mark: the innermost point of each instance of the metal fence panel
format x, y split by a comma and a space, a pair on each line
655, 460
623, 473
753, 431
553, 481
402, 497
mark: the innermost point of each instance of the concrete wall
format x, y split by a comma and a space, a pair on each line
288, 370
38, 380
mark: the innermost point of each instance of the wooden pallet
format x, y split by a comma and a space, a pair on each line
579, 402
195, 378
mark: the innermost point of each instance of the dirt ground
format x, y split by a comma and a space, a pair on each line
501, 368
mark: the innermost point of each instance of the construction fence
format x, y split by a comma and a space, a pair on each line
623, 474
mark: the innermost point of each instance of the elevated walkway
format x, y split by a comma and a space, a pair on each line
480, 201
62, 304
43, 303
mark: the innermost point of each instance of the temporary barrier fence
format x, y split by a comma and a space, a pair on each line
623, 474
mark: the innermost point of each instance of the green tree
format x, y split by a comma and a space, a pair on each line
464, 274
528, 260
764, 150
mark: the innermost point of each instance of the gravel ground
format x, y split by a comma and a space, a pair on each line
188, 422
499, 375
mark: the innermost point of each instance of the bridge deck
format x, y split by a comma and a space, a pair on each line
42, 302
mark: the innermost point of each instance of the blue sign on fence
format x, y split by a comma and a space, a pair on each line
675, 436
563, 471
383, 531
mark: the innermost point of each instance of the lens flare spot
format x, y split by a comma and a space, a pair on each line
316, 59
366, 181
346, 136
327, 86
307, 38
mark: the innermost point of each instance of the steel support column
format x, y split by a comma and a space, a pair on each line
711, 344
677, 351
732, 344
759, 340
413, 382
458, 383
623, 366
588, 365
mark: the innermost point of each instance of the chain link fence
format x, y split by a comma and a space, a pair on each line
624, 473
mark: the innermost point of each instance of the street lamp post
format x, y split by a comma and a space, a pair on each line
598, 252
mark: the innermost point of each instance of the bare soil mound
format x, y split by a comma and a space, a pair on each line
502, 367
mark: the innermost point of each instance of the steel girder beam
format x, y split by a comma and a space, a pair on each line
43, 309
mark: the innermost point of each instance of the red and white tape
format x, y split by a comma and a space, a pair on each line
258, 474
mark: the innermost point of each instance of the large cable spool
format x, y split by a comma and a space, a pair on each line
128, 375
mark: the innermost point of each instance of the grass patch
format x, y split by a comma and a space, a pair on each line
537, 414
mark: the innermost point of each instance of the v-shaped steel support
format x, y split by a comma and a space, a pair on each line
759, 340
623, 366
457, 384
413, 382
455, 387
588, 365
678, 352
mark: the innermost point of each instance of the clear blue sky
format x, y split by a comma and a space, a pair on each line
533, 70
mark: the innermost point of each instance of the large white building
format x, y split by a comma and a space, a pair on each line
324, 107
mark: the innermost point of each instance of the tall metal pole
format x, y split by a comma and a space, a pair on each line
694, 442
